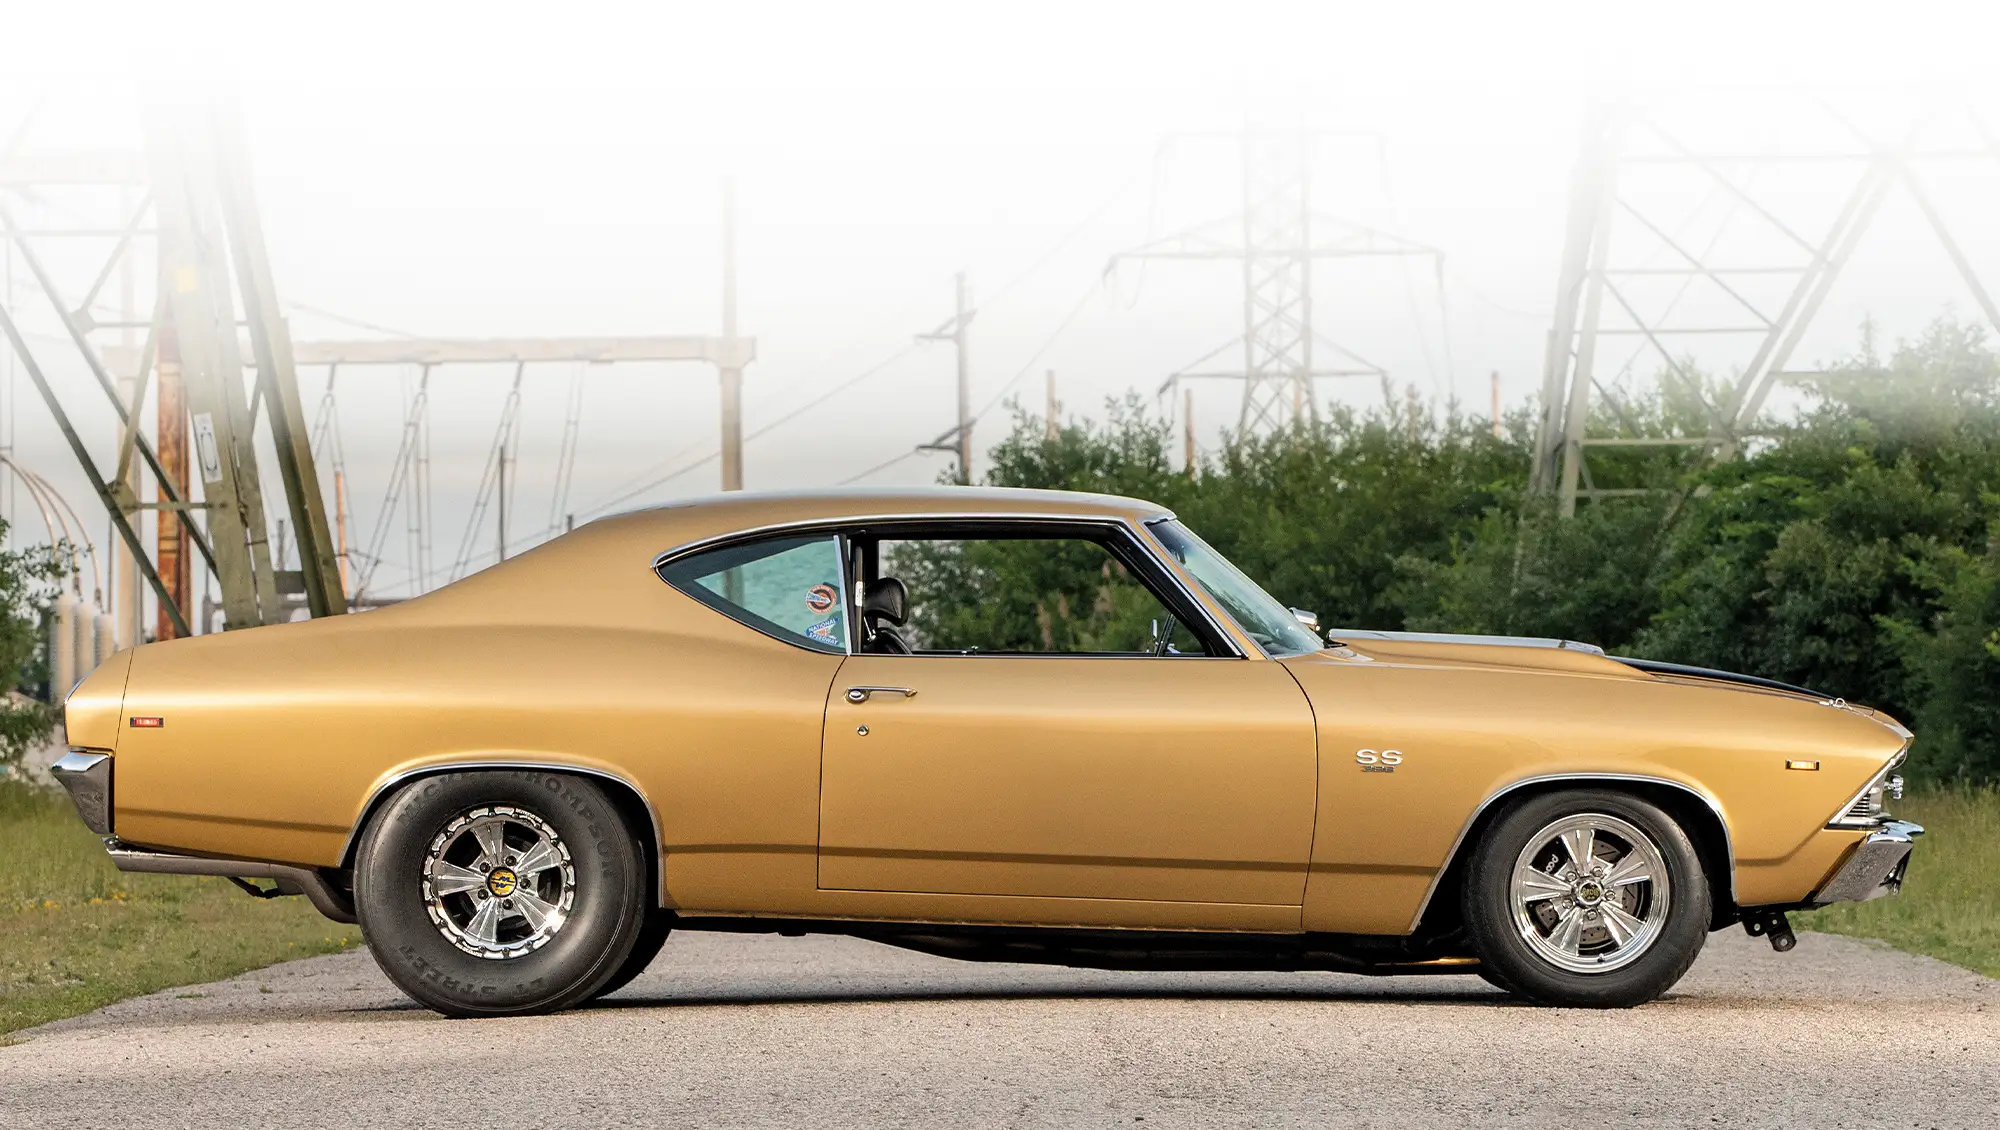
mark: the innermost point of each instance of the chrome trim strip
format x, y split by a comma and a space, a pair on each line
1216, 616
381, 790
1728, 842
308, 880
87, 779
1346, 634
1141, 539
750, 533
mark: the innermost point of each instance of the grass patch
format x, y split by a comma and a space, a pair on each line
1950, 905
77, 934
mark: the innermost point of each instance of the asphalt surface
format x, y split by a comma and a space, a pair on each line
733, 1030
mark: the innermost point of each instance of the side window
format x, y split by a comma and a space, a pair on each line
787, 588
1022, 595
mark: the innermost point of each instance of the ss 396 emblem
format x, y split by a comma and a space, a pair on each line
1378, 761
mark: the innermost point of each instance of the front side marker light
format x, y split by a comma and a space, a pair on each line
1805, 766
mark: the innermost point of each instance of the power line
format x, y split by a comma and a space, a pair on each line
357, 323
787, 418
1047, 343
1033, 358
882, 466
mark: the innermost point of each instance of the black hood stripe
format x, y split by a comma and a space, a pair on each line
1655, 667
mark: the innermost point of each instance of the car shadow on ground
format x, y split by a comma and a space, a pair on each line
1478, 995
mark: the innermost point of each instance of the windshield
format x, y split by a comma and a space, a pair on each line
1271, 624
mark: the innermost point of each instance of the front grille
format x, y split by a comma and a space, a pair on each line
1867, 809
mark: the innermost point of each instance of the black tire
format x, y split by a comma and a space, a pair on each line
607, 911
1509, 960
659, 924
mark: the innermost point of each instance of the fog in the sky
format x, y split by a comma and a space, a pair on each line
487, 171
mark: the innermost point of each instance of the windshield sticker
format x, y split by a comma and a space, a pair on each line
823, 631
819, 598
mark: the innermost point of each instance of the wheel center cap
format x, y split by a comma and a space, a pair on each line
502, 882
1589, 892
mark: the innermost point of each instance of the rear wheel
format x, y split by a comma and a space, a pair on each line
497, 893
1589, 898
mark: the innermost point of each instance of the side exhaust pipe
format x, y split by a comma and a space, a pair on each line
325, 897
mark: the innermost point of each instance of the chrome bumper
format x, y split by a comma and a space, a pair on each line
87, 777
1874, 868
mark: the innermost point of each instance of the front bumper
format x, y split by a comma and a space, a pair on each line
1874, 868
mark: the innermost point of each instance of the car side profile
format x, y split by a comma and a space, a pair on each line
987, 724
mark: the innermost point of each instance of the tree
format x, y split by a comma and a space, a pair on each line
1852, 549
24, 577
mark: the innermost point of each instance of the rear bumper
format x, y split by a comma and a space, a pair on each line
1874, 868
87, 778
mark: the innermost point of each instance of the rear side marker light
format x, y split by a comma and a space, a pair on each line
147, 722
1808, 766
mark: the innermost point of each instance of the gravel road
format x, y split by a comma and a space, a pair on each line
730, 1030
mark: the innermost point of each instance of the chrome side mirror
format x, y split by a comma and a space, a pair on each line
1309, 619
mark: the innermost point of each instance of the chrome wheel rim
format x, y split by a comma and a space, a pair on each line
1590, 893
498, 882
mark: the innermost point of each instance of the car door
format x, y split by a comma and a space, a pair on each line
1034, 744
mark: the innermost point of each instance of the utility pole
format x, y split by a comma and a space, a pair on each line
340, 524
1495, 381
1187, 432
130, 629
500, 519
954, 331
731, 370
169, 548
1055, 429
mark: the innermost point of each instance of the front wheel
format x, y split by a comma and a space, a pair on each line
1588, 898
500, 893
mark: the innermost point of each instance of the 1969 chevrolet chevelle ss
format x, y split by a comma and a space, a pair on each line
988, 724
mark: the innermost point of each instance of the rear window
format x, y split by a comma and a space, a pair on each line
790, 589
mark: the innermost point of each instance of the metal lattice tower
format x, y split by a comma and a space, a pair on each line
1277, 285
212, 316
1751, 291
1278, 237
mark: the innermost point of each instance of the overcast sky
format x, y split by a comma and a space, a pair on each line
487, 170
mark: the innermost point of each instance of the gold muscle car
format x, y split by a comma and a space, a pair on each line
989, 724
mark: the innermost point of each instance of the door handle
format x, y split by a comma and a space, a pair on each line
860, 694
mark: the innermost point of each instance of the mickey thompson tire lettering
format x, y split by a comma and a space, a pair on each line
591, 945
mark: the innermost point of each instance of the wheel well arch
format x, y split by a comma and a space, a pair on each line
1696, 812
632, 804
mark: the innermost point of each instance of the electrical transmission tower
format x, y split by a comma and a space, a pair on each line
210, 259
1643, 268
213, 317
1277, 236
